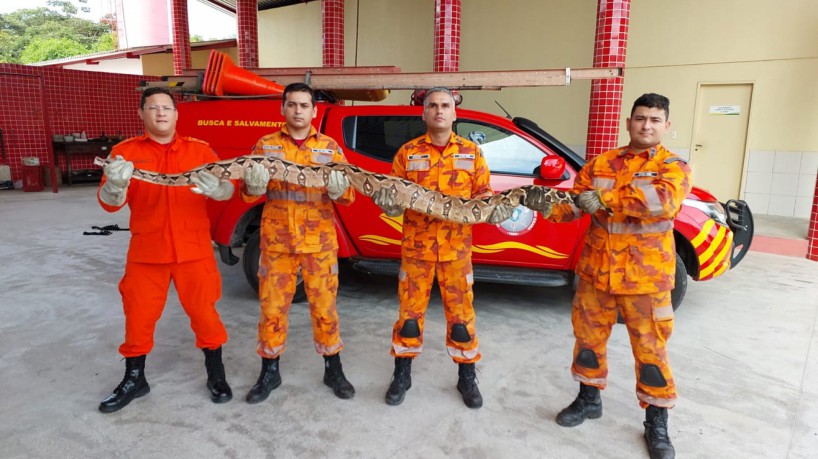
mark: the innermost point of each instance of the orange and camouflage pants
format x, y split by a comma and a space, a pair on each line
649, 319
277, 282
455, 280
144, 289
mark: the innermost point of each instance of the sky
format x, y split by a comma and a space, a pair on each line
204, 20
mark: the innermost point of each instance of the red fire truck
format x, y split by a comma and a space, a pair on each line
711, 237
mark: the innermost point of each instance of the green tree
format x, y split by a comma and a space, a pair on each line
43, 49
50, 32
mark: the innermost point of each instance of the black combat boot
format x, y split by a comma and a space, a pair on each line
467, 385
334, 377
216, 381
268, 380
588, 405
656, 437
401, 381
134, 385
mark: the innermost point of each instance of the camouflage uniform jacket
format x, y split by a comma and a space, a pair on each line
298, 219
630, 248
460, 170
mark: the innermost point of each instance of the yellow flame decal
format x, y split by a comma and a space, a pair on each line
380, 240
395, 222
499, 247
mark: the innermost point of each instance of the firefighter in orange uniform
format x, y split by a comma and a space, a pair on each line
627, 266
298, 231
445, 162
170, 241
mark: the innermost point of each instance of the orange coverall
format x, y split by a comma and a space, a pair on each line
170, 240
298, 231
628, 265
431, 245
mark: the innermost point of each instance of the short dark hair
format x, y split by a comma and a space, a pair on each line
652, 100
152, 91
298, 87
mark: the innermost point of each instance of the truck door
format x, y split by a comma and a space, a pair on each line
525, 239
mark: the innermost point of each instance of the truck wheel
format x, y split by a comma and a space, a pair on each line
252, 252
678, 292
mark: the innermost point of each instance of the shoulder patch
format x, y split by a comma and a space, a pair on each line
673, 159
194, 139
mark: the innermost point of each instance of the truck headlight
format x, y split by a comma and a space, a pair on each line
713, 210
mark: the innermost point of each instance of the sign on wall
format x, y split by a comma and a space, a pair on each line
725, 109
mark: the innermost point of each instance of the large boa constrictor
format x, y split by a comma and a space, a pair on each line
407, 194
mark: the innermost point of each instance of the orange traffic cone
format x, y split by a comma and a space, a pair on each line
222, 77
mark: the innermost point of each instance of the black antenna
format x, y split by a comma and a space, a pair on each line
508, 115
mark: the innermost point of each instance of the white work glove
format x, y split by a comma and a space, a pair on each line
535, 200
384, 199
590, 201
210, 186
256, 178
117, 178
337, 185
501, 213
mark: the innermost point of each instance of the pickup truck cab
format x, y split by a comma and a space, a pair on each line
525, 249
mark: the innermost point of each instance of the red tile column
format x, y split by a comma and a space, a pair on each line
447, 36
332, 16
247, 26
181, 37
812, 234
612, 20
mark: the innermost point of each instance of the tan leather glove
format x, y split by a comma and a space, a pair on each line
337, 184
590, 201
501, 213
386, 201
535, 200
256, 178
209, 185
117, 178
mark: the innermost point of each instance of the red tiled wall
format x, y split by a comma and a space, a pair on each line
332, 15
447, 36
812, 234
76, 101
612, 20
247, 23
181, 37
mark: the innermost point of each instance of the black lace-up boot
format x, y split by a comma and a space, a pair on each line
401, 381
268, 380
334, 377
216, 381
134, 385
467, 385
588, 405
656, 437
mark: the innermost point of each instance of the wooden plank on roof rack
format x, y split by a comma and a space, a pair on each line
482, 80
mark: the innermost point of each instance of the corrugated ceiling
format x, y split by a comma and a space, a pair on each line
230, 5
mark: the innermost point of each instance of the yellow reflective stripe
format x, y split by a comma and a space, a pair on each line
603, 182
708, 225
720, 259
714, 244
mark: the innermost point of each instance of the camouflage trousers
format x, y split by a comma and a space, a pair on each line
455, 280
649, 319
277, 276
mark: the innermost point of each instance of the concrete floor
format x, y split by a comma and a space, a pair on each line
745, 355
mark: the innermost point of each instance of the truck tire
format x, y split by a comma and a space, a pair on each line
252, 252
678, 292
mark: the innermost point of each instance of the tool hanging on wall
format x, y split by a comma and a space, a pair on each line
5, 171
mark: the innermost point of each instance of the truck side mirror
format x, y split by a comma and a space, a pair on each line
552, 167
